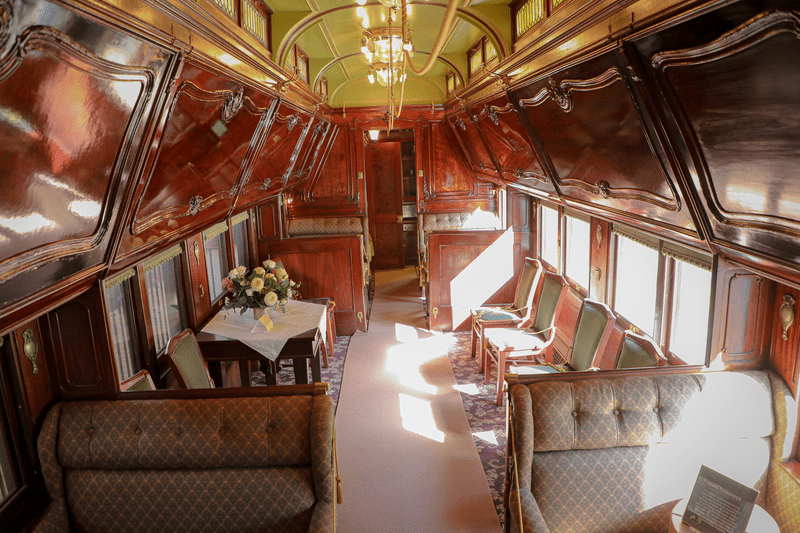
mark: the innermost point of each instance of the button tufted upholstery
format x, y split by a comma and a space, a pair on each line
304, 227
205, 465
613, 454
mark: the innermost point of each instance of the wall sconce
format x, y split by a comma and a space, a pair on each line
787, 314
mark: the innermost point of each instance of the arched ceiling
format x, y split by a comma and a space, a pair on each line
329, 32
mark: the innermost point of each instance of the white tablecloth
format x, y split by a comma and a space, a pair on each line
298, 318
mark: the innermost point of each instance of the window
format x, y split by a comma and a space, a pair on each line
490, 52
577, 265
162, 280
323, 88
636, 286
216, 259
525, 14
451, 82
302, 64
690, 308
252, 15
548, 237
121, 323
475, 58
7, 483
241, 252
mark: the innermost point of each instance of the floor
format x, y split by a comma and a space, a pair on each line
406, 452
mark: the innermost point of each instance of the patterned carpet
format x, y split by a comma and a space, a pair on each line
485, 418
331, 375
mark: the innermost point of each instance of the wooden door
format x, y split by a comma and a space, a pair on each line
385, 199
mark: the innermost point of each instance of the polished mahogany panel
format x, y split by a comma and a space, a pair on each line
784, 354
737, 98
32, 365
469, 269
506, 138
602, 150
327, 267
200, 157
74, 110
334, 189
309, 154
447, 184
385, 191
472, 144
276, 159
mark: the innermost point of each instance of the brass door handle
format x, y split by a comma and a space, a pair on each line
202, 291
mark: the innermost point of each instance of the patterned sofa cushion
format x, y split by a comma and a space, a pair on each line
602, 455
304, 227
204, 465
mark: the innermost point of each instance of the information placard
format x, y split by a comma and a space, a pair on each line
719, 504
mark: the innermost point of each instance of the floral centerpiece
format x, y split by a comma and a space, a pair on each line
265, 287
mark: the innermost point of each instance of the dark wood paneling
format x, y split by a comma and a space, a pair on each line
313, 147
741, 318
34, 373
327, 267
335, 189
601, 145
197, 281
473, 147
194, 174
512, 150
277, 156
785, 354
269, 221
75, 105
599, 245
78, 343
736, 101
447, 184
469, 269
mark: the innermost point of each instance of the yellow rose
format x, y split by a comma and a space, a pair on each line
281, 274
257, 284
270, 298
259, 271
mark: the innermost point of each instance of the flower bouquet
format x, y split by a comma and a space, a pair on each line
266, 287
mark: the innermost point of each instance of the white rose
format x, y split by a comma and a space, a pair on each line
292, 283
241, 270
257, 284
233, 274
269, 264
259, 271
270, 298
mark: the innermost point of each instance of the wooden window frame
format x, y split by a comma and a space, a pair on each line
539, 227
300, 55
323, 88
564, 246
449, 78
475, 48
266, 12
515, 7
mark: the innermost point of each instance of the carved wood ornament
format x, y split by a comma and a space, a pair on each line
787, 313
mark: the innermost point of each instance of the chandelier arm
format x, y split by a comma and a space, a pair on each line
405, 63
447, 23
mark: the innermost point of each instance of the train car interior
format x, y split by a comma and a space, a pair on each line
377, 266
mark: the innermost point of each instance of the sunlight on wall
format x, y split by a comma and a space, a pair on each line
407, 361
417, 417
482, 278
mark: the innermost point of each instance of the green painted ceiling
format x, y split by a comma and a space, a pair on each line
329, 32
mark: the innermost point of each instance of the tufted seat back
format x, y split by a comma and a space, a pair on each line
305, 227
205, 465
614, 454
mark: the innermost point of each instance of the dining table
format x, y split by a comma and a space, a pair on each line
296, 334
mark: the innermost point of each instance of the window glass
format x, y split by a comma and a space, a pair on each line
240, 252
549, 236
475, 60
636, 283
122, 325
690, 308
216, 265
164, 300
8, 483
577, 265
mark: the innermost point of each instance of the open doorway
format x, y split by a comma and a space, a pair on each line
392, 198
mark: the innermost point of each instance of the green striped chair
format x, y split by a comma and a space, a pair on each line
638, 351
187, 363
513, 315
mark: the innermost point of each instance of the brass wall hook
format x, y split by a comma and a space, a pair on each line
787, 314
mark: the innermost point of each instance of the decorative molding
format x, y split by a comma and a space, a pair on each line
6, 16
233, 103
559, 95
491, 112
460, 123
30, 348
293, 120
195, 205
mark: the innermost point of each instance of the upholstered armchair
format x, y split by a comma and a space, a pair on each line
513, 315
517, 345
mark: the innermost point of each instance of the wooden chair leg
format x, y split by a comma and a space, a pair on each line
481, 352
487, 365
325, 353
473, 339
501, 370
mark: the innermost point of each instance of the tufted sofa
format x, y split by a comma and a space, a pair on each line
612, 454
192, 465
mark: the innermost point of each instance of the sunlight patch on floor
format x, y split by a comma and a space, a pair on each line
405, 361
417, 416
468, 388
